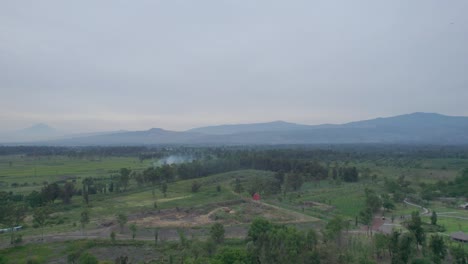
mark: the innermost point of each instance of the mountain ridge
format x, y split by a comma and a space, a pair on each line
415, 128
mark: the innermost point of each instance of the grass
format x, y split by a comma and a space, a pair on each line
451, 224
104, 207
40, 253
33, 171
103, 249
345, 199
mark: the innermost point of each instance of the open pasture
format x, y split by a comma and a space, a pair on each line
23, 174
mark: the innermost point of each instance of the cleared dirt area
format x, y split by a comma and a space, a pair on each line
235, 215
236, 212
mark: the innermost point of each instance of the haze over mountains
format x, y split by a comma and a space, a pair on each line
416, 128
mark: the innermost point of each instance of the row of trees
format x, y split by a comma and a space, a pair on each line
275, 243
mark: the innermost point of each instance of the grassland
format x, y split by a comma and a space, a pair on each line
195, 211
29, 173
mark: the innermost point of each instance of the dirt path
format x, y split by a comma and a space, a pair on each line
424, 209
299, 217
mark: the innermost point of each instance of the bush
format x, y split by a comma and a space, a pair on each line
34, 260
196, 186
217, 233
87, 258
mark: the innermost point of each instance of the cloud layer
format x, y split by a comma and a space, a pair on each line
101, 65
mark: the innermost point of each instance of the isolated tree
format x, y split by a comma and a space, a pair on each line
112, 236
40, 217
124, 177
311, 239
122, 260
164, 188
210, 247
86, 186
415, 227
156, 235
460, 256
438, 248
151, 175
217, 233
12, 214
196, 186
258, 227
86, 197
393, 245
50, 192
133, 228
405, 249
84, 219
387, 203
122, 220
138, 177
381, 242
182, 238
294, 181
334, 228
434, 218
238, 186
35, 199
67, 192
373, 201
87, 258
366, 217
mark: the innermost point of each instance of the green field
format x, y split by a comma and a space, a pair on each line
311, 206
29, 173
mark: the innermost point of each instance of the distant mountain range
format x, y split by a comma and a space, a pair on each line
34, 133
416, 128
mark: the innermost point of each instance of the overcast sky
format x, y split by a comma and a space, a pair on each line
106, 65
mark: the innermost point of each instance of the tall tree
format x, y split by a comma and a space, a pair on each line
217, 233
122, 220
238, 186
434, 218
67, 192
50, 192
366, 217
164, 188
334, 229
133, 228
124, 177
415, 227
438, 248
373, 201
13, 215
40, 217
84, 219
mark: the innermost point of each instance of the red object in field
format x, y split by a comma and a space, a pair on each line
256, 197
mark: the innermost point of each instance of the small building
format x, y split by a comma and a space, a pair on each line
459, 236
256, 197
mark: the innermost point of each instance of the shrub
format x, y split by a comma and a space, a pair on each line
87, 258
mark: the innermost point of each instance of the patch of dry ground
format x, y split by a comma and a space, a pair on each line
238, 213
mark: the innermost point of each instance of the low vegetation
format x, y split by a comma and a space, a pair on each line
340, 204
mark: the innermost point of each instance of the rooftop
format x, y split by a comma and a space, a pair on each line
459, 236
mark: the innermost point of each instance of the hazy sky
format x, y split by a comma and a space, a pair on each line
105, 65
